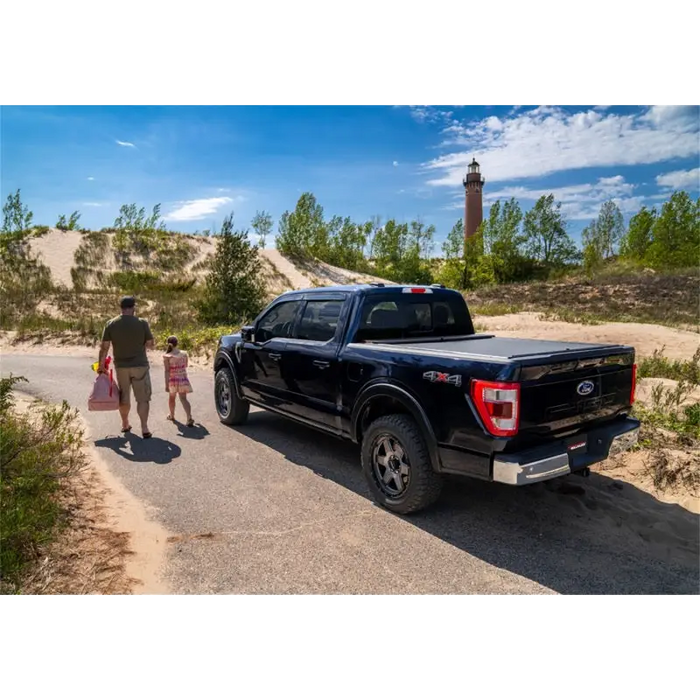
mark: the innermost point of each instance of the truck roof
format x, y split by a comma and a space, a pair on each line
374, 288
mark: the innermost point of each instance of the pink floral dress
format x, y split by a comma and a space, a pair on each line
178, 383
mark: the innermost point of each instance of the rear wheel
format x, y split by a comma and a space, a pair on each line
232, 410
396, 464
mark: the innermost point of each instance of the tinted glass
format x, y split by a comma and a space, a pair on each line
408, 317
277, 322
319, 320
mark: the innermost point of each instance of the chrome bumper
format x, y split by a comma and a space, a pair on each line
517, 470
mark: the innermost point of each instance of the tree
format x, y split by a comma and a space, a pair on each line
303, 232
592, 247
503, 241
422, 237
71, 224
453, 271
388, 247
636, 242
262, 225
676, 234
16, 218
545, 233
24, 280
346, 243
610, 228
479, 268
234, 290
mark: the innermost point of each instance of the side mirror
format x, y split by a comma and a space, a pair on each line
247, 333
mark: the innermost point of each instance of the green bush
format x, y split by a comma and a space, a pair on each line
40, 451
681, 370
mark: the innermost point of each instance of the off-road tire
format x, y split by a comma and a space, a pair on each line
235, 410
424, 484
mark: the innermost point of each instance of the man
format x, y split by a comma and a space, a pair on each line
130, 337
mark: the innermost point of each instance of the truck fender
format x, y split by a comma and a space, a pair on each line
408, 401
221, 355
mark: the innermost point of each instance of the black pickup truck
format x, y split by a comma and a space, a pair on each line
401, 371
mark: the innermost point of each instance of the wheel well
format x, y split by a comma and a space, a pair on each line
376, 408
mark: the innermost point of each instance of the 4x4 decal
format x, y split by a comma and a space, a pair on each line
443, 378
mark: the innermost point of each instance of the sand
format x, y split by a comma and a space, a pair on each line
57, 250
644, 337
111, 547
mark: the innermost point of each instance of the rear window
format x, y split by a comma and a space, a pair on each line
412, 317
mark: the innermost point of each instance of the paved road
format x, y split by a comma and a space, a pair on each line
276, 508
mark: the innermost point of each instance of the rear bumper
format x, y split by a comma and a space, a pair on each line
565, 456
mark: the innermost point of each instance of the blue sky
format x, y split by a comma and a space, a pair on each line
201, 163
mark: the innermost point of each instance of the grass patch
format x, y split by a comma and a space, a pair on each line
40, 451
38, 327
681, 370
667, 473
197, 341
669, 410
684, 422
628, 297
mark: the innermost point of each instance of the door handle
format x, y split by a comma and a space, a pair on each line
322, 364
275, 356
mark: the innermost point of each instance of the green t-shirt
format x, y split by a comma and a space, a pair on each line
128, 335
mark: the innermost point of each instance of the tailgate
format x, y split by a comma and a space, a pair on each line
561, 394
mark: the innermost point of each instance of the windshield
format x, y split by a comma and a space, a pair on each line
413, 317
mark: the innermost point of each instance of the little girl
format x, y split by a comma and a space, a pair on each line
176, 382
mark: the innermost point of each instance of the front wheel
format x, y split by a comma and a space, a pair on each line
396, 464
232, 410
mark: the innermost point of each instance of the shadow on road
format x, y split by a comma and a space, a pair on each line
196, 432
136, 449
573, 535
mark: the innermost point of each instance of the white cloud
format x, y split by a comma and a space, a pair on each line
198, 208
547, 139
128, 144
93, 204
578, 201
396, 163
91, 178
679, 179
660, 115
426, 113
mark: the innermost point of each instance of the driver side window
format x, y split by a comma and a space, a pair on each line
277, 322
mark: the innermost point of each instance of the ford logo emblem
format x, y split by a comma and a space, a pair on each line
585, 388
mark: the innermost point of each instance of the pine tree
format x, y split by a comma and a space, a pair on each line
234, 290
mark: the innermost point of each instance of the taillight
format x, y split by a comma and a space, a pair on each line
634, 384
498, 404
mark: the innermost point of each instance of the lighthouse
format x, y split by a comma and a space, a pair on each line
473, 211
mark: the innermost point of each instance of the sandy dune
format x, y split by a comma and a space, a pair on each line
57, 250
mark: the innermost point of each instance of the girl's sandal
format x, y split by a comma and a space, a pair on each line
171, 418
190, 423
126, 430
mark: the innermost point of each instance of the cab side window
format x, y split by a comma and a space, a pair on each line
278, 322
319, 321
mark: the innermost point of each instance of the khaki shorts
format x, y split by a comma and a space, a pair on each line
138, 378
